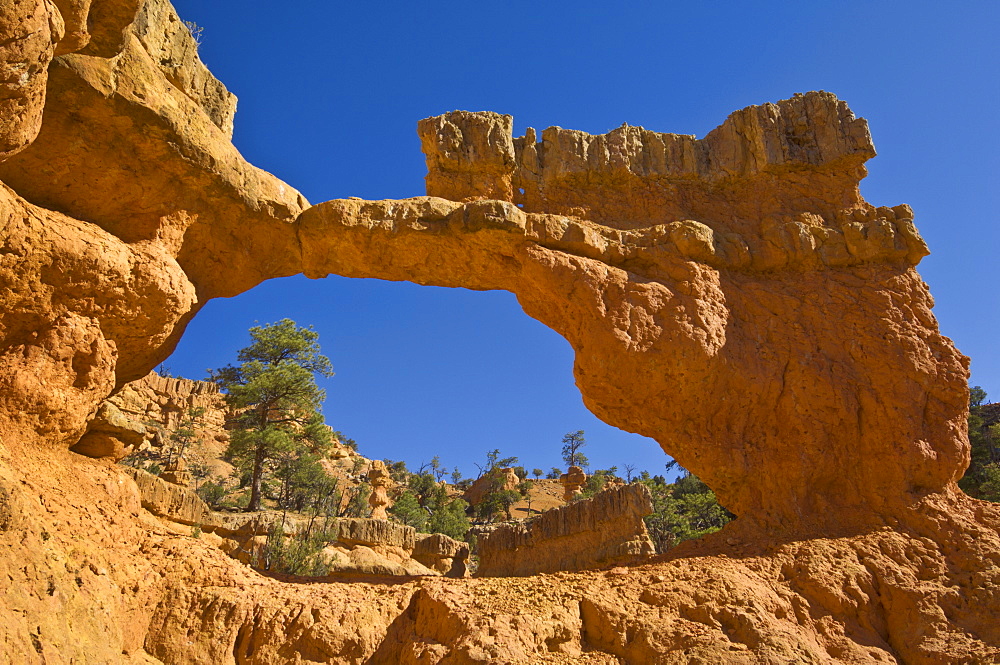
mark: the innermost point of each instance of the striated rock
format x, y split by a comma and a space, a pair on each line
168, 500
381, 547
497, 480
373, 561
572, 481
362, 546
364, 531
164, 402
469, 155
606, 529
632, 177
110, 434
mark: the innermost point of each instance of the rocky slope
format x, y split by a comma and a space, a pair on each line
744, 266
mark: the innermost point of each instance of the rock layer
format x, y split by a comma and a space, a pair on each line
604, 530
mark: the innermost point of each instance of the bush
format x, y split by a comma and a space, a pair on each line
358, 506
684, 510
213, 493
982, 478
409, 511
450, 519
295, 555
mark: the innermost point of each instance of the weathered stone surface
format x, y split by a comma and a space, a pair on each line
177, 473
441, 553
73, 297
207, 193
632, 177
572, 481
29, 31
94, 300
110, 434
606, 529
688, 308
381, 481
164, 402
170, 44
364, 531
170, 501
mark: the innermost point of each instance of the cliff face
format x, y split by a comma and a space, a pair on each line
163, 403
604, 530
732, 297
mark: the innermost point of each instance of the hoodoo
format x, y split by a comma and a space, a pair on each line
733, 297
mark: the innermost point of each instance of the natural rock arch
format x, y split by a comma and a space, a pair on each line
719, 328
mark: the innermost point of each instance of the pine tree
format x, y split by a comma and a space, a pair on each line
274, 391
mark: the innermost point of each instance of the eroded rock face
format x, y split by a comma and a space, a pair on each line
604, 530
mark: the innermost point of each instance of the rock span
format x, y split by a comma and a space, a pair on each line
733, 297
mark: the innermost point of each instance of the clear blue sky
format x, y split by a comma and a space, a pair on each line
330, 93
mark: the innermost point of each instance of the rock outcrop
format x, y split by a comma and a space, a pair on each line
170, 501
164, 404
111, 433
380, 547
496, 480
572, 481
606, 529
381, 481
733, 297
439, 552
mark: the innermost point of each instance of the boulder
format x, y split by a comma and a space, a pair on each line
572, 481
169, 501
442, 553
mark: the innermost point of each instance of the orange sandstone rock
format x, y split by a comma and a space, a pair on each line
381, 481
572, 481
803, 318
606, 529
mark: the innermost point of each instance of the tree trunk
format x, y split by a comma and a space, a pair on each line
255, 479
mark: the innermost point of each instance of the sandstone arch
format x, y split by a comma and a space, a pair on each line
773, 332
709, 305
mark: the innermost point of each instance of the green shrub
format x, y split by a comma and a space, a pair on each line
301, 554
213, 493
